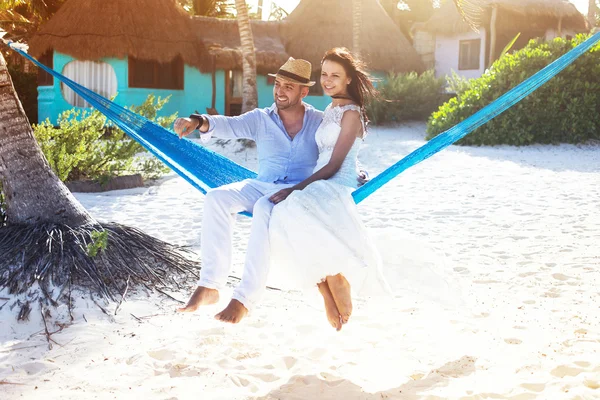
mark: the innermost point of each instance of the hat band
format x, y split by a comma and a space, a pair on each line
291, 75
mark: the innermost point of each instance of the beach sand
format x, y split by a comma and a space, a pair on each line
511, 311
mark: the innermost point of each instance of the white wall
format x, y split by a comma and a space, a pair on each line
553, 33
446, 54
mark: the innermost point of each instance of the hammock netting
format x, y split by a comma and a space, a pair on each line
205, 169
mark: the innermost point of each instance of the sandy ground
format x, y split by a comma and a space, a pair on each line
511, 312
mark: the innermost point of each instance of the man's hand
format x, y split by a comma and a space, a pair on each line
281, 195
185, 126
363, 177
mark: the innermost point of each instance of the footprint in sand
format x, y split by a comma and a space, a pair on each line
185, 370
162, 354
583, 364
35, 367
526, 274
591, 384
513, 341
564, 370
562, 277
552, 293
289, 362
534, 387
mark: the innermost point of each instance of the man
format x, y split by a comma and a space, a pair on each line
287, 154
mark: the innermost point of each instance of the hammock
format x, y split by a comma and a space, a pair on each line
205, 169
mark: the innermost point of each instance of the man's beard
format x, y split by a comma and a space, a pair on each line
286, 105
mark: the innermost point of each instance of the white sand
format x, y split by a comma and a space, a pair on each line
520, 228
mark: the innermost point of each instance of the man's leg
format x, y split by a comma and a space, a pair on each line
220, 207
256, 270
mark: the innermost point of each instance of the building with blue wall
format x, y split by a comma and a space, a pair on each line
114, 48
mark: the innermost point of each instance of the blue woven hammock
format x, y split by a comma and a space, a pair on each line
205, 169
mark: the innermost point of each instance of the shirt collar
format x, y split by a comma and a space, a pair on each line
273, 108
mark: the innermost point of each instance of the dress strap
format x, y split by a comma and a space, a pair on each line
354, 107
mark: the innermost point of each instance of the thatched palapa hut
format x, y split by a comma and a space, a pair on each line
457, 47
95, 29
316, 26
141, 47
220, 41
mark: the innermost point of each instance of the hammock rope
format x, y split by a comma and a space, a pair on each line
205, 169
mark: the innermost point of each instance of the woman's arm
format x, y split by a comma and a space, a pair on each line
351, 128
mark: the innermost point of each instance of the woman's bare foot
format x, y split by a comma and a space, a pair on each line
233, 313
333, 314
340, 290
201, 297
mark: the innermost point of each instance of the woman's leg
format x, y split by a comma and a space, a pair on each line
333, 315
340, 291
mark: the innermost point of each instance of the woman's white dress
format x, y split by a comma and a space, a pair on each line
318, 232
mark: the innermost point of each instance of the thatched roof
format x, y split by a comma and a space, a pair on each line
316, 26
220, 39
92, 29
447, 20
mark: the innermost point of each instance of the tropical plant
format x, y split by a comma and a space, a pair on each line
564, 110
407, 97
86, 146
43, 247
22, 18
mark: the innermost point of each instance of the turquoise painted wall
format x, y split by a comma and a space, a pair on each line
196, 95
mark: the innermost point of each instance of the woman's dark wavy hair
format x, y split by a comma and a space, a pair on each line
360, 89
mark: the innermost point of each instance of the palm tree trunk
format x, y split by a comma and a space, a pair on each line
34, 194
592, 11
356, 25
249, 91
51, 244
493, 35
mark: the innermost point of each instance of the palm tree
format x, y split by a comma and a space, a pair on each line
22, 18
356, 25
592, 12
51, 240
249, 91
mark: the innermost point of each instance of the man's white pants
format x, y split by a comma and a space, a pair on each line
220, 208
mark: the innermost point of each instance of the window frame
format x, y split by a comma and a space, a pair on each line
471, 63
176, 65
44, 78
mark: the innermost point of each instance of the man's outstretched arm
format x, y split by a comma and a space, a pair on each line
244, 126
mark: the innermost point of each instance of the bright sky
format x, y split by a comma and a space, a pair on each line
289, 5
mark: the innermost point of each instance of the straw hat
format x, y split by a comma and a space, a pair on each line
296, 71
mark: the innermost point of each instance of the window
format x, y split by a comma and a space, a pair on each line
316, 89
155, 75
99, 77
44, 78
468, 55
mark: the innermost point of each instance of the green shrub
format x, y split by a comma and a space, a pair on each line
564, 110
26, 88
407, 97
86, 146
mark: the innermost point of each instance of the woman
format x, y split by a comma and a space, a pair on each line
317, 237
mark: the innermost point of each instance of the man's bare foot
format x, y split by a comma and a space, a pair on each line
201, 297
333, 314
340, 290
233, 313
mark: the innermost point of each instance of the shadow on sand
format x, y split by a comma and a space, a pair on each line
315, 387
